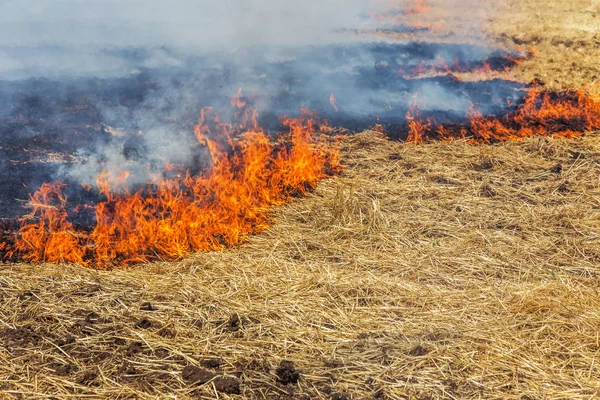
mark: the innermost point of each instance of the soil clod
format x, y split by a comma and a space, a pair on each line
84, 326
147, 306
69, 339
339, 396
212, 363
287, 373
235, 323
227, 385
564, 187
198, 323
134, 348
419, 351
577, 155
144, 323
88, 376
62, 369
195, 375
27, 296
488, 191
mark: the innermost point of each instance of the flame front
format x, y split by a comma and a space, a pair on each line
169, 218
563, 114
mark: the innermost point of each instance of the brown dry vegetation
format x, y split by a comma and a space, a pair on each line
433, 271
566, 35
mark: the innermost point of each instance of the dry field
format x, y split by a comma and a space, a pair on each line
435, 271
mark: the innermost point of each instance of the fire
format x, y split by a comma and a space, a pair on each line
563, 114
333, 101
419, 7
52, 230
248, 171
417, 128
169, 218
502, 62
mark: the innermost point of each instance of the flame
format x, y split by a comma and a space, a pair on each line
408, 17
419, 7
169, 218
332, 100
440, 66
417, 128
564, 114
52, 236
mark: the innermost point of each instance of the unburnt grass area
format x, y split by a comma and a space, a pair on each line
566, 37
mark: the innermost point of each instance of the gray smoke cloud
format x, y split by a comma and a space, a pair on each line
65, 37
145, 67
201, 23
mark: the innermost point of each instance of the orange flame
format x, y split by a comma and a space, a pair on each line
419, 7
439, 66
52, 237
417, 128
332, 100
170, 218
565, 114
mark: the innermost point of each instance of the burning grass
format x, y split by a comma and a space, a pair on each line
501, 61
249, 173
169, 218
555, 114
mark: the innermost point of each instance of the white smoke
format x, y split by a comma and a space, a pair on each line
176, 22
174, 52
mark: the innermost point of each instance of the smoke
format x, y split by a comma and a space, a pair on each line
140, 70
199, 23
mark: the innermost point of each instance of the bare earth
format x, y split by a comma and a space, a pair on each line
435, 271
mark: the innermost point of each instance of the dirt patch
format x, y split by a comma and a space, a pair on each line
19, 337
212, 363
147, 306
227, 385
144, 323
88, 377
557, 169
198, 376
63, 369
339, 396
69, 339
28, 296
134, 348
287, 373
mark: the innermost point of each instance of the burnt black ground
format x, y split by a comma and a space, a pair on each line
49, 125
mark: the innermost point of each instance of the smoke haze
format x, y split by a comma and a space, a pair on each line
200, 23
138, 72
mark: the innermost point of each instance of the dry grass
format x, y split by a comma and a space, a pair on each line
429, 272
434, 271
565, 33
